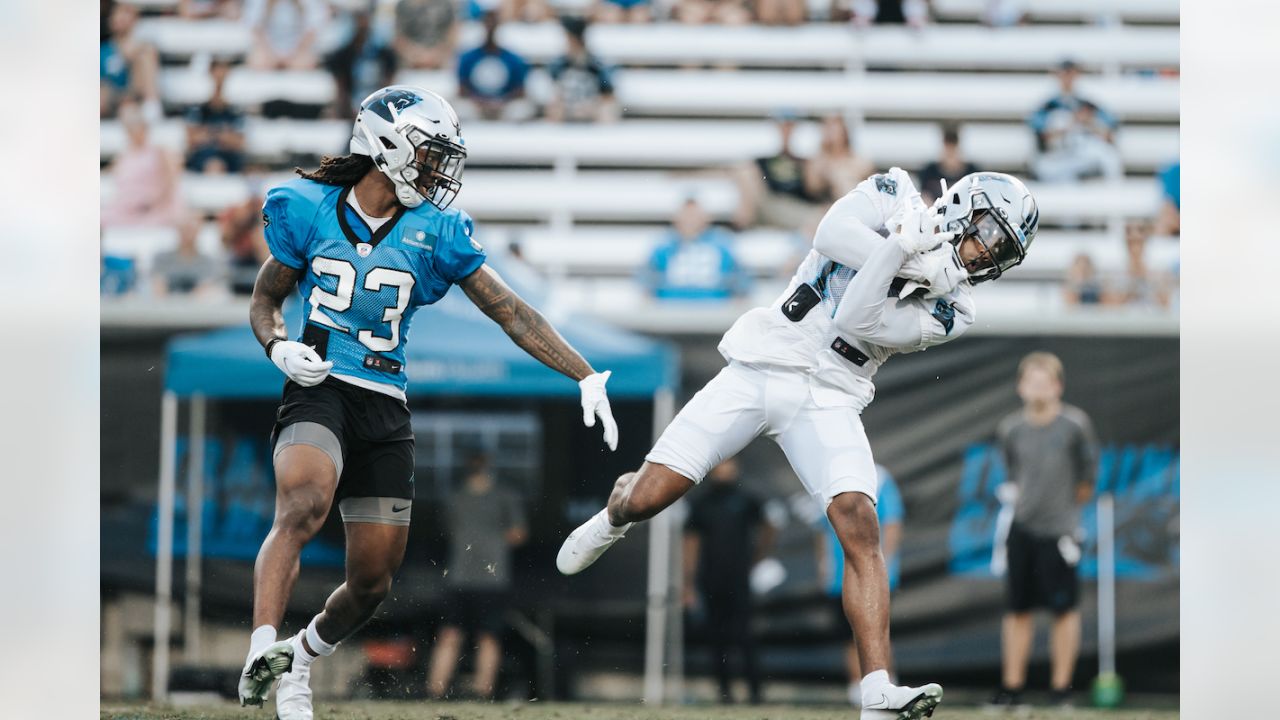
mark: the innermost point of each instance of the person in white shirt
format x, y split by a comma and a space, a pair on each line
886, 275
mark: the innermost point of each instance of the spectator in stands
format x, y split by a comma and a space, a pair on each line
583, 82
723, 520
830, 555
426, 33
484, 523
914, 13
491, 80
695, 260
215, 130
185, 270
1140, 285
1169, 217
622, 11
771, 189
362, 64
1074, 137
242, 238
209, 9
284, 33
713, 12
146, 177
836, 169
781, 12
951, 166
1051, 456
1082, 285
525, 11
127, 66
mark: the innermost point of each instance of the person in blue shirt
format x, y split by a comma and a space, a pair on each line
890, 513
695, 260
1169, 218
1075, 137
491, 79
366, 240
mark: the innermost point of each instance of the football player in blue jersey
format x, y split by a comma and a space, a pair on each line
366, 239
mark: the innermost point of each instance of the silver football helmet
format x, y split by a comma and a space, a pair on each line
995, 209
415, 139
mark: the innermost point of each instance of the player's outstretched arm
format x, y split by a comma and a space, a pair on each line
535, 335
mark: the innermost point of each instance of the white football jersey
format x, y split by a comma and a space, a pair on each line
860, 302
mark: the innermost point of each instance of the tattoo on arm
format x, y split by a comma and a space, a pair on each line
525, 325
275, 281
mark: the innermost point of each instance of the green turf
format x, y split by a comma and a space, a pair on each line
566, 711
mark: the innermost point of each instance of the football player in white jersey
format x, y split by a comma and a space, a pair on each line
886, 275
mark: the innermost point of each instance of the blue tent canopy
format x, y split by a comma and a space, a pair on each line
453, 350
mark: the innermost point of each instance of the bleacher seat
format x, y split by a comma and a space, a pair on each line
637, 196
620, 251
663, 143
961, 96
247, 87
817, 45
1165, 11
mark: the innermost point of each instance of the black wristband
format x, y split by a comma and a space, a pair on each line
272, 343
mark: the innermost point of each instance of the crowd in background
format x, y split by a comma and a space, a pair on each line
695, 259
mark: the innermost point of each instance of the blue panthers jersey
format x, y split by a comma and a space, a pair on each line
360, 289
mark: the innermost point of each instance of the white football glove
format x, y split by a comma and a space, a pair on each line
918, 232
596, 402
300, 363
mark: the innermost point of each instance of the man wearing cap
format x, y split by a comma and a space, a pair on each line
1074, 136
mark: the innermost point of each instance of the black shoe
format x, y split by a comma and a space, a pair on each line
1006, 699
1061, 699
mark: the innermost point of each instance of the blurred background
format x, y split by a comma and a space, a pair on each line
643, 172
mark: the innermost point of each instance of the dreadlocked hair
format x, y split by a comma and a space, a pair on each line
343, 170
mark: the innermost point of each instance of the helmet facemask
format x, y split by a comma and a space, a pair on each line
435, 171
988, 226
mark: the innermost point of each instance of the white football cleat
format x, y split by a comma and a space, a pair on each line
261, 669
902, 703
293, 694
586, 544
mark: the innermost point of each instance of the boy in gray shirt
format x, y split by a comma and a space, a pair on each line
1051, 455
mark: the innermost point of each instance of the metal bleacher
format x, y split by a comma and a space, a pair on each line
587, 205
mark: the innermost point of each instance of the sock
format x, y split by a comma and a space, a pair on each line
614, 529
261, 637
301, 658
873, 684
319, 646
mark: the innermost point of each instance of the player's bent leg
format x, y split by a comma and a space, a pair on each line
865, 592
306, 477
866, 603
374, 553
636, 496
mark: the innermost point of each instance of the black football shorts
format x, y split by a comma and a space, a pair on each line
368, 435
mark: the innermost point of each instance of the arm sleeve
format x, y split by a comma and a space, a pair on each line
283, 242
459, 254
867, 312
850, 230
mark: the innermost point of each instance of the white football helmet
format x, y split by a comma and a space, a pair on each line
998, 211
415, 139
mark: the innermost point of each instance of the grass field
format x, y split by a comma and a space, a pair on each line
574, 711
